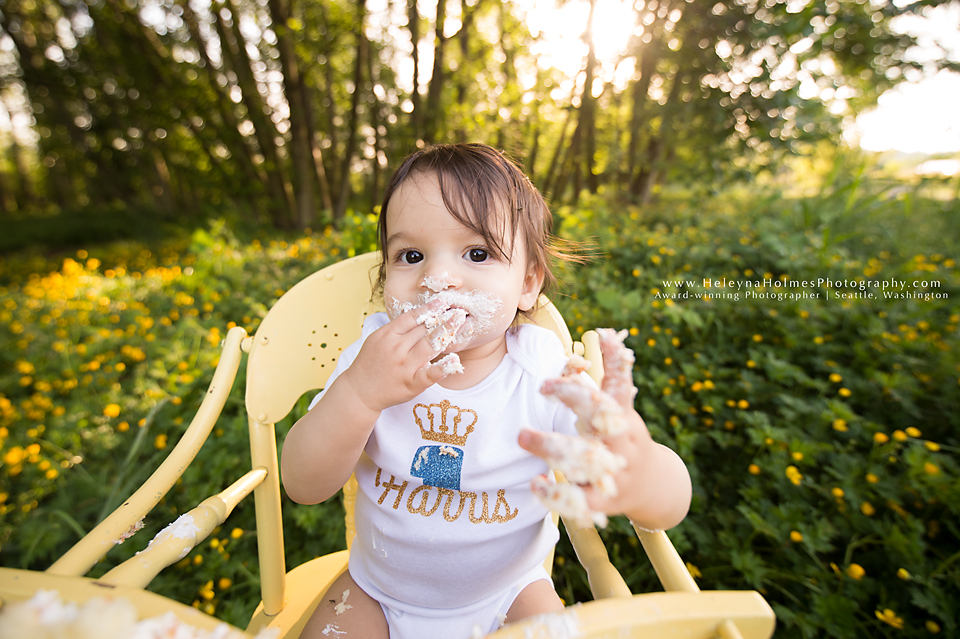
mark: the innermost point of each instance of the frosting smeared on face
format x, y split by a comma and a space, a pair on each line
459, 317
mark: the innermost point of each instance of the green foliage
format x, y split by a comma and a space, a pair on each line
820, 433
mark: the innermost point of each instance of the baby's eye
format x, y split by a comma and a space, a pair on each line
478, 255
411, 257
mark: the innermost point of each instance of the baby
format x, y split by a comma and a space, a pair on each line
445, 409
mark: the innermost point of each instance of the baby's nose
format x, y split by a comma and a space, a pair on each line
438, 283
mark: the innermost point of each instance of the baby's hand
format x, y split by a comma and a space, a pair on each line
600, 480
393, 365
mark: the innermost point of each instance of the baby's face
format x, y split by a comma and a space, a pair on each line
430, 254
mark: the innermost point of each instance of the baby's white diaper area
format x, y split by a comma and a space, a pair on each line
480, 619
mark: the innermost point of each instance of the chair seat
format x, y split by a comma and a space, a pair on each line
21, 585
305, 586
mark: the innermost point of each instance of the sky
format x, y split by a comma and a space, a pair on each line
921, 115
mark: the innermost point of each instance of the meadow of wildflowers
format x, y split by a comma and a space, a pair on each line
821, 433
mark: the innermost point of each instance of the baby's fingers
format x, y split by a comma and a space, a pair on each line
581, 460
599, 414
617, 367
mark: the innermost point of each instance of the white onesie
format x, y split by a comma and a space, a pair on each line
447, 525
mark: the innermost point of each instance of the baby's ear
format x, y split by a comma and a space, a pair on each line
532, 284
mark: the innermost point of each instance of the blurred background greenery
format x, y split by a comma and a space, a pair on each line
170, 168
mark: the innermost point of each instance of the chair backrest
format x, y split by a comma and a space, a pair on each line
293, 352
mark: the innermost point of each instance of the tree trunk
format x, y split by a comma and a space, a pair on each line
416, 114
435, 117
376, 122
301, 143
463, 77
240, 148
661, 144
284, 204
354, 117
647, 55
555, 160
588, 118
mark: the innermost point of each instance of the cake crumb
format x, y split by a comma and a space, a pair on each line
450, 364
343, 606
130, 532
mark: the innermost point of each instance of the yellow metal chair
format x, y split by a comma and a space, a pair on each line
292, 353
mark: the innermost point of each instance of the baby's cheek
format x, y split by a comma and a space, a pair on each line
395, 307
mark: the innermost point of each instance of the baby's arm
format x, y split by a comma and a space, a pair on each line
322, 448
650, 483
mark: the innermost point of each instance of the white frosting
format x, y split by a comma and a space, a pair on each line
600, 413
584, 461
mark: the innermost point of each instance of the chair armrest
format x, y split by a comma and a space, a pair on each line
174, 542
665, 560
604, 579
95, 544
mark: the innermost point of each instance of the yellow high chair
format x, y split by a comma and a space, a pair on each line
292, 353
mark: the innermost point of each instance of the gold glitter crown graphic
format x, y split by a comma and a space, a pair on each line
444, 422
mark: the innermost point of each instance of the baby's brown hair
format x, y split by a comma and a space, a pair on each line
477, 182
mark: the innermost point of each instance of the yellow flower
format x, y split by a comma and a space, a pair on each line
651, 342
913, 432
797, 455
743, 404
794, 475
161, 441
890, 617
835, 377
881, 438
758, 338
934, 446
903, 574
236, 533
870, 477
675, 341
753, 469
51, 474
867, 509
123, 427
206, 590
668, 361
840, 425
112, 410
795, 537
751, 363
696, 387
856, 571
14, 456
693, 570
845, 392
899, 435
224, 583
818, 340
837, 492
932, 627
198, 560
931, 468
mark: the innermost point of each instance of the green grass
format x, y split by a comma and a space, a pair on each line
820, 433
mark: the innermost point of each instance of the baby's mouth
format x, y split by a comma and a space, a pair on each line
453, 317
